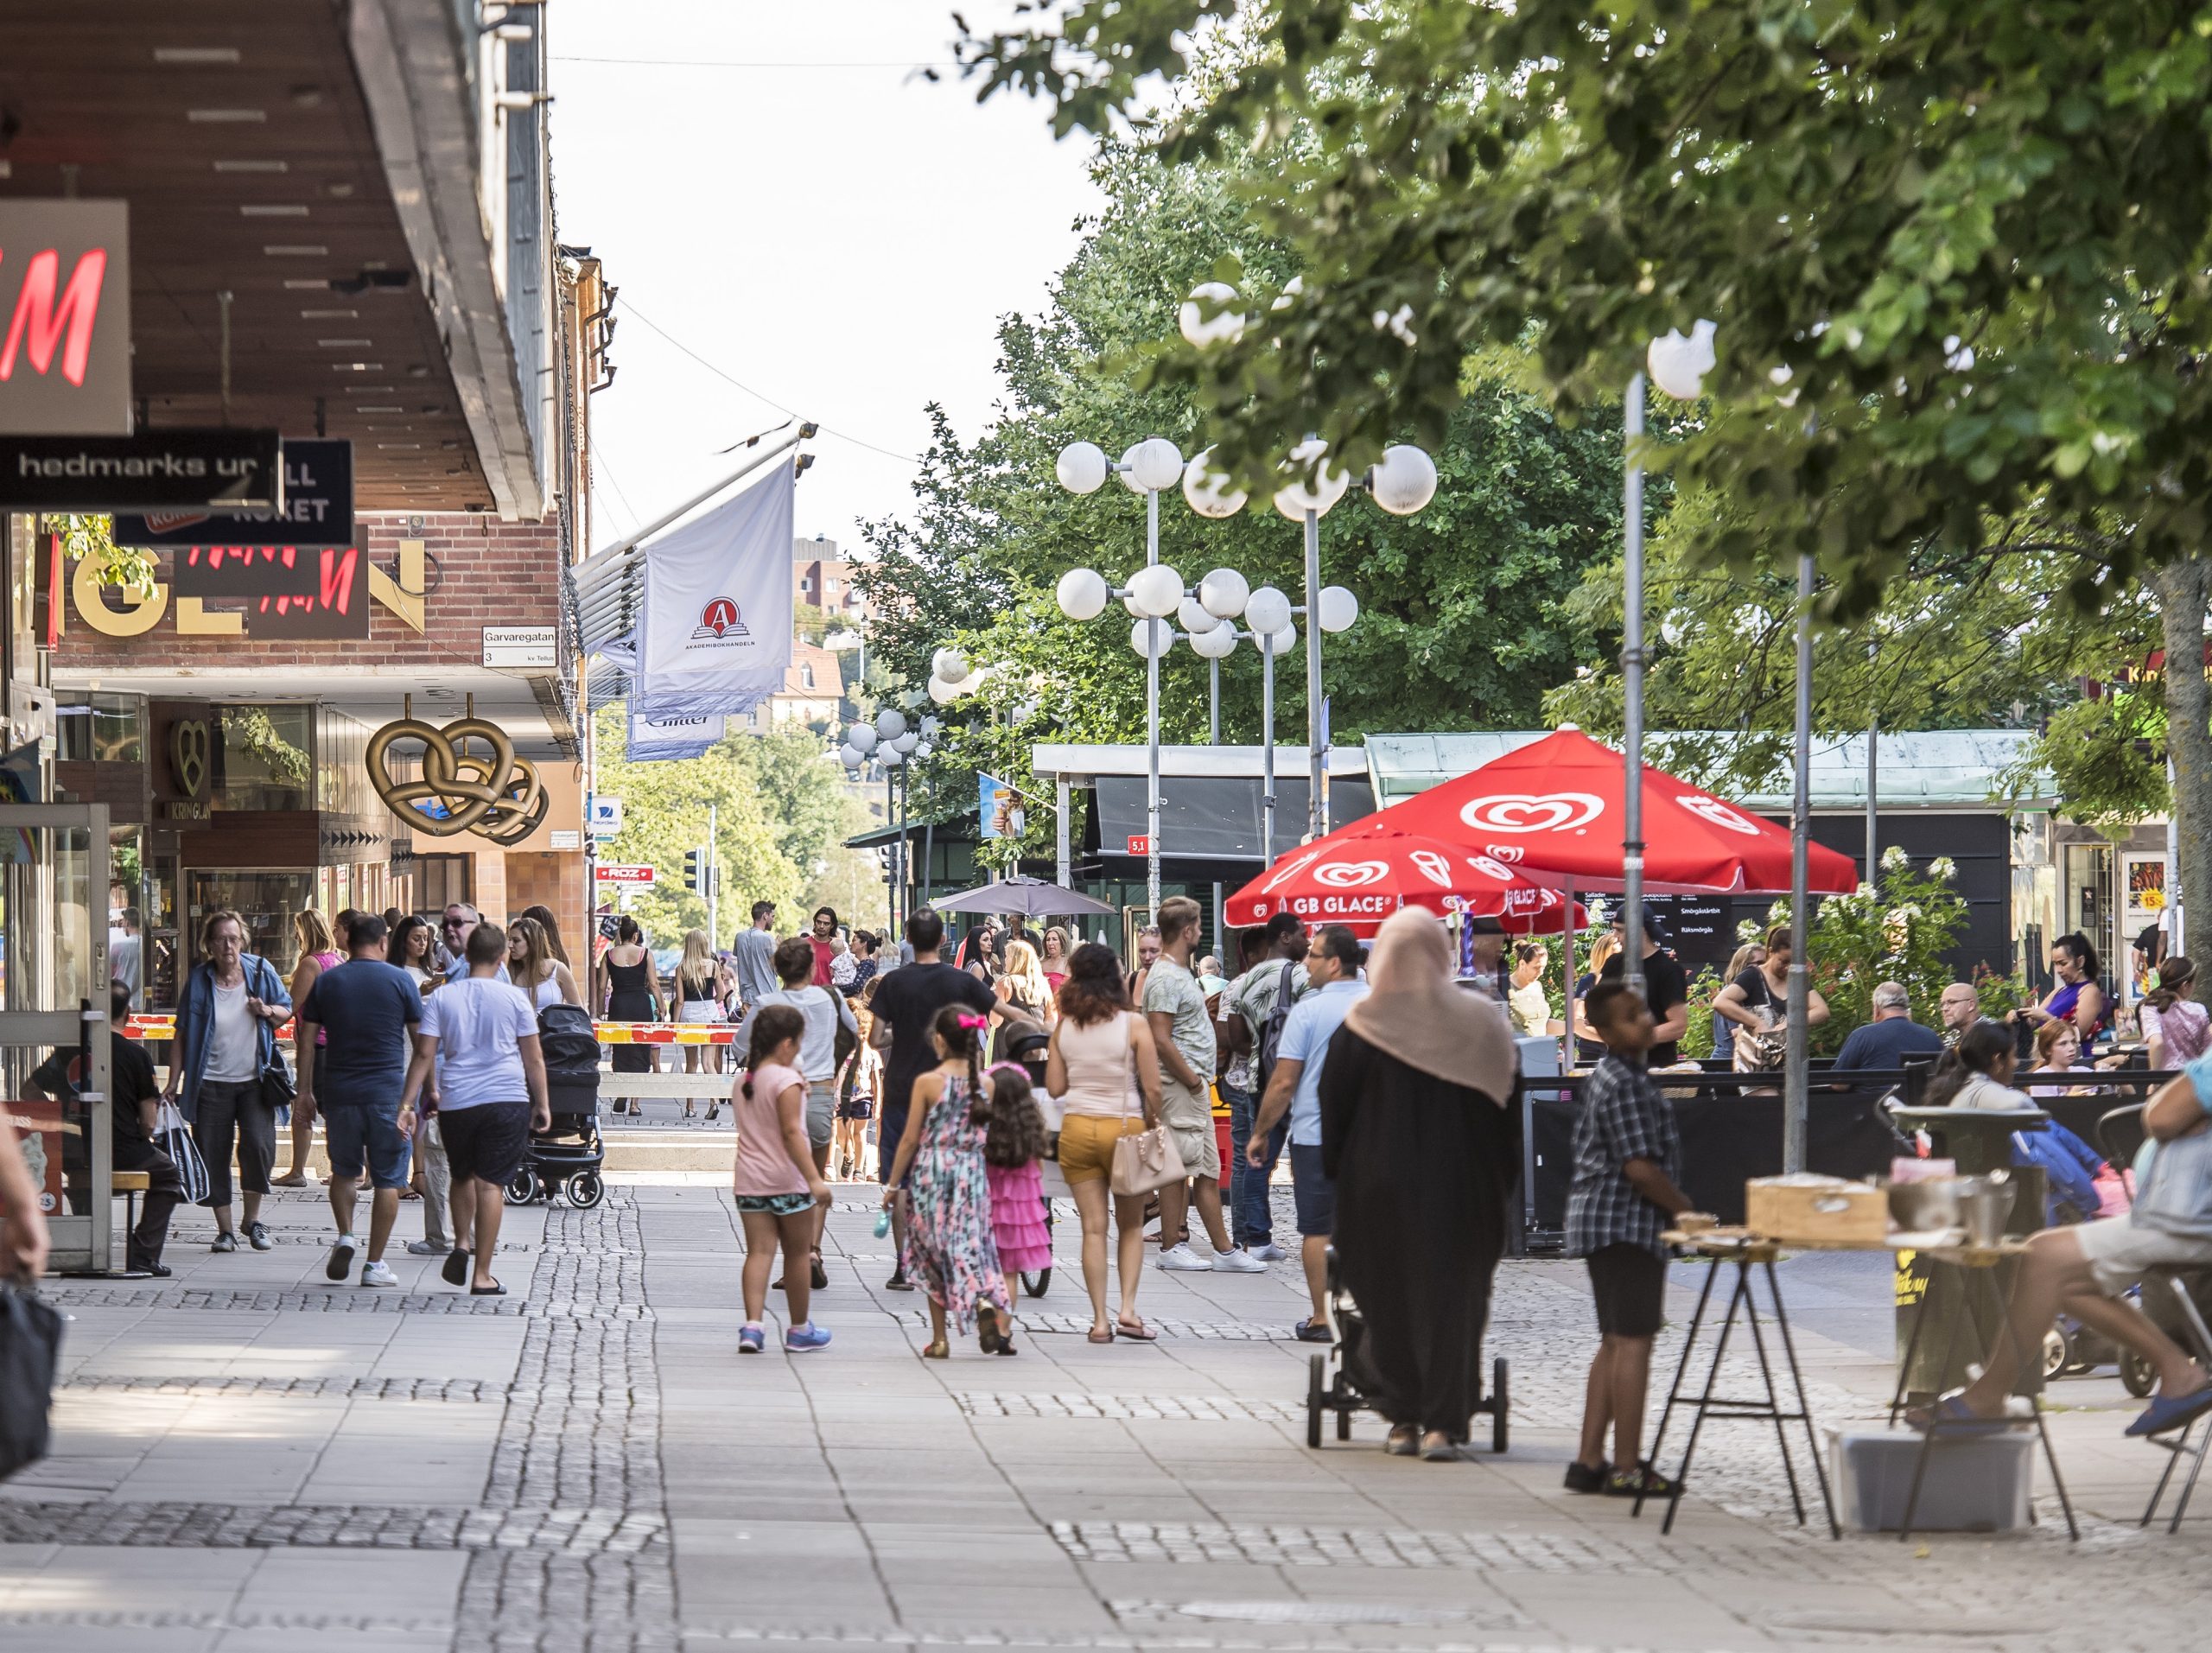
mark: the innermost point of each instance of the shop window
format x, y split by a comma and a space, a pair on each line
266, 901
440, 880
100, 729
265, 758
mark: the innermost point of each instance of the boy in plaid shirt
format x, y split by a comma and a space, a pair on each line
1627, 1156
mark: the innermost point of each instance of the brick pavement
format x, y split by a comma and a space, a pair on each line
251, 1457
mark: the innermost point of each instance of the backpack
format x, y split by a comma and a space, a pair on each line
1270, 1040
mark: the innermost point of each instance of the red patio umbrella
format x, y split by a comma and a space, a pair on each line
1359, 876
1552, 810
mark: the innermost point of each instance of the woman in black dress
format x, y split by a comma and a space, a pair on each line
633, 995
1420, 1137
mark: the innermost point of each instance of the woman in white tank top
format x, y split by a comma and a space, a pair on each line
1104, 1069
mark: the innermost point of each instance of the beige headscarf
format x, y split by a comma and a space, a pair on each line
1413, 1011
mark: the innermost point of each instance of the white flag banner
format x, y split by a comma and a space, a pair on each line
715, 634
660, 740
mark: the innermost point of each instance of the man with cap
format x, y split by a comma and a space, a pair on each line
1666, 988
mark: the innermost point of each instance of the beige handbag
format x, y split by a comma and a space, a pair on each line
1146, 1161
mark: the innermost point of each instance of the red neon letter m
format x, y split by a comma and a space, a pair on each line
338, 579
38, 314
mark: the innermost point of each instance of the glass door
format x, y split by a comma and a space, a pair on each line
54, 1016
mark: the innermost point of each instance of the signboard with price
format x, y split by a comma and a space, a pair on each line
615, 872
1140, 844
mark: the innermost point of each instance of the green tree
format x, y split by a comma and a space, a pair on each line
779, 807
1956, 252
1463, 623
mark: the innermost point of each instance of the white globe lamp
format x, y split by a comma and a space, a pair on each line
950, 664
1081, 594
1336, 609
1678, 364
1268, 611
1224, 593
1318, 496
851, 756
906, 743
1081, 467
1205, 317
1154, 465
1192, 615
922, 749
1215, 645
945, 693
1151, 638
1278, 644
861, 738
1209, 492
1403, 481
1155, 591
890, 723
890, 757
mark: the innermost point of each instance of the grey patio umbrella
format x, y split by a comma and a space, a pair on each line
1032, 898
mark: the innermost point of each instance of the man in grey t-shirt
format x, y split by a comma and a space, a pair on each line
1182, 1028
756, 956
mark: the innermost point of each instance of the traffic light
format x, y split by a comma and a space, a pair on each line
695, 871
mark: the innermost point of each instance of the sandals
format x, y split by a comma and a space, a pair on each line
1135, 1331
290, 1180
495, 1289
1099, 1334
1404, 1441
987, 1328
1957, 1416
937, 1350
454, 1270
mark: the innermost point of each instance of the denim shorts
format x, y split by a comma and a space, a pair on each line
355, 1130
1313, 1192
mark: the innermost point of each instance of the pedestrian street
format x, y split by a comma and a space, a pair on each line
249, 1457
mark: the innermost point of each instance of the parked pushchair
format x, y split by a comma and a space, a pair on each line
1332, 1387
568, 1154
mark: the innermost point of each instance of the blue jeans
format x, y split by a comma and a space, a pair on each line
1251, 1220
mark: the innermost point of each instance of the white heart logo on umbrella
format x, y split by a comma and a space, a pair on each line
1713, 810
1489, 868
1533, 812
1351, 875
1433, 866
1512, 852
1290, 870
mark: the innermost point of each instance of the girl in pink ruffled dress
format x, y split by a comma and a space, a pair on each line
1013, 1144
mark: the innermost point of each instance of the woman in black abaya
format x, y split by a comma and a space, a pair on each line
1421, 1138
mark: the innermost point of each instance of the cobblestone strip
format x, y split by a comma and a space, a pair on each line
334, 1526
556, 1453
592, 1305
1205, 1408
367, 1389
1040, 1324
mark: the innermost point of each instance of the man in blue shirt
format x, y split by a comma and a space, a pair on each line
1295, 1087
369, 1008
1884, 1043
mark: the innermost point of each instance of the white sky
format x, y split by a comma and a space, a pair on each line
842, 239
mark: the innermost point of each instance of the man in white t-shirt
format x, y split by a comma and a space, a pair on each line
482, 1034
825, 1011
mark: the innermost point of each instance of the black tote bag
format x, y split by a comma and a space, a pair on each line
30, 1345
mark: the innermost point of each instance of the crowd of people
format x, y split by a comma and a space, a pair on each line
967, 1064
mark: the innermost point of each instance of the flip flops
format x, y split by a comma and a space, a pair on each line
2166, 1412
1958, 1418
455, 1269
1099, 1334
1135, 1331
495, 1289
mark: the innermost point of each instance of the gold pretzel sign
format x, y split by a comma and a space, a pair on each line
496, 796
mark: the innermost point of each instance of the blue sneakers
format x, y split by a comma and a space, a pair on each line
750, 1340
801, 1339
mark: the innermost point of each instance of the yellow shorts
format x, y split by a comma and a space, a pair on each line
1087, 1143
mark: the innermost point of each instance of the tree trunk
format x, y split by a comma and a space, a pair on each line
2184, 588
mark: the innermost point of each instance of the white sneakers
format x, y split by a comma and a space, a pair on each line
1268, 1253
1183, 1258
378, 1273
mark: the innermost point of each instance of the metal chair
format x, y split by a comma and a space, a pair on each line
2195, 1333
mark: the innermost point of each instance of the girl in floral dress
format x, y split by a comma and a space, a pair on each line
950, 1252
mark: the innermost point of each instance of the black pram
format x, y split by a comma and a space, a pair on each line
569, 1153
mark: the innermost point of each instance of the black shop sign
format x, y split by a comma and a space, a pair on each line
318, 509
157, 470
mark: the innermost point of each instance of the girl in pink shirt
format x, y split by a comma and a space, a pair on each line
774, 1180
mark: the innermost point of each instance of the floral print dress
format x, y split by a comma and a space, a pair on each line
950, 1252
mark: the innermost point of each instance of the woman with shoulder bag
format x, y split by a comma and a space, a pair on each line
225, 1067
1105, 1068
1758, 1001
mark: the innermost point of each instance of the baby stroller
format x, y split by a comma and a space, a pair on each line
1330, 1387
569, 1155
1028, 1046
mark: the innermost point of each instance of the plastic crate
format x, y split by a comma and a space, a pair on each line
1975, 1483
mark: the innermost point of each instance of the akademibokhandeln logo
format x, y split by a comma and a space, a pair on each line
720, 620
